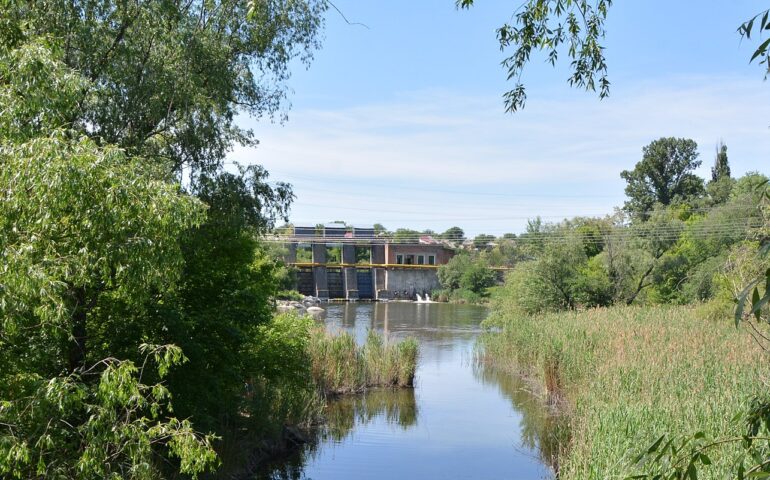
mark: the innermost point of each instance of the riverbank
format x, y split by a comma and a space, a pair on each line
331, 365
624, 376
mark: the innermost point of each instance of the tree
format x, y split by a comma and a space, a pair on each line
721, 183
106, 262
166, 80
406, 235
551, 281
481, 241
455, 234
721, 168
663, 176
467, 272
84, 230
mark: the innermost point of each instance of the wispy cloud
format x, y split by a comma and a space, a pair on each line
444, 157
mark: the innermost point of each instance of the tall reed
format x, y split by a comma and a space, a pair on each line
341, 366
627, 375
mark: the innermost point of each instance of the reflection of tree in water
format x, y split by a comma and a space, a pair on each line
542, 428
396, 406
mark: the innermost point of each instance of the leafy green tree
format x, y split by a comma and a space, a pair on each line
721, 183
721, 168
222, 301
477, 278
750, 187
455, 234
663, 176
85, 228
467, 272
406, 235
166, 80
481, 241
450, 274
107, 262
549, 282
507, 253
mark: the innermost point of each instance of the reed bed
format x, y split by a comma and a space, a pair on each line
340, 366
623, 376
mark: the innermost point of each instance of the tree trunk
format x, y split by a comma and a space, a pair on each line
641, 285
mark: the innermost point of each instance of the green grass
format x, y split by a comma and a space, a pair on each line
623, 376
341, 366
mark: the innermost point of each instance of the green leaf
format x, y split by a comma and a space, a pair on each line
760, 50
755, 303
741, 302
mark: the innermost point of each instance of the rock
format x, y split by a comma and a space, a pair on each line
315, 310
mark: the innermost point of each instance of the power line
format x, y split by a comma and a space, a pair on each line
624, 234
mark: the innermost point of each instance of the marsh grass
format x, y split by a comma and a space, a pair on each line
626, 375
340, 366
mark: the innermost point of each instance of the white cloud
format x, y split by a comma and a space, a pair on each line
562, 154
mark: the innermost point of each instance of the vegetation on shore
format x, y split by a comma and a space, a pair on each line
311, 364
339, 365
623, 376
625, 324
137, 334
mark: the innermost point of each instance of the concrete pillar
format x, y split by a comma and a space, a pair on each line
378, 273
291, 252
349, 275
320, 279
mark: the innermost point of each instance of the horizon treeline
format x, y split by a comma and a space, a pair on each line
677, 239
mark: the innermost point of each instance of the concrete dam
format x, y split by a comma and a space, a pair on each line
353, 264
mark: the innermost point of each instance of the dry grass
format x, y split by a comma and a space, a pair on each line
626, 375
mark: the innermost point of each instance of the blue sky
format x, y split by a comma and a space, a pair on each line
402, 123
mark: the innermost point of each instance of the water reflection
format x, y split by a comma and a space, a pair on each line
542, 429
397, 407
459, 421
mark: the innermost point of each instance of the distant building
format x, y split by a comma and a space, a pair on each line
393, 270
417, 254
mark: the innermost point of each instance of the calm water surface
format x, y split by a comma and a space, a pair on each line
459, 422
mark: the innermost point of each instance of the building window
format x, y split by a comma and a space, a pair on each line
431, 259
409, 259
420, 259
399, 259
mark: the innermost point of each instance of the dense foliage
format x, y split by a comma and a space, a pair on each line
466, 277
135, 313
165, 80
682, 252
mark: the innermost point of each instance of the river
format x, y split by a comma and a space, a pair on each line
459, 422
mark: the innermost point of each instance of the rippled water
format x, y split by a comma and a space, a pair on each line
459, 422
